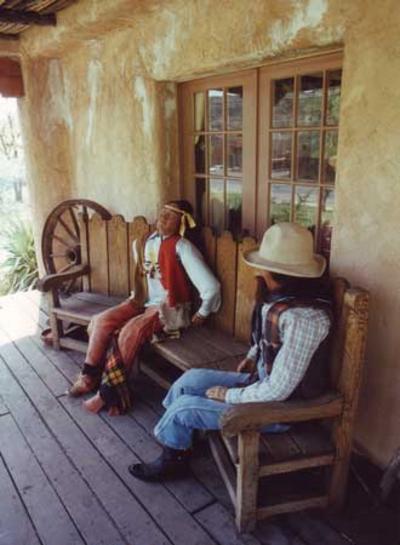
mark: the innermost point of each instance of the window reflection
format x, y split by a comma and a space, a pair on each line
215, 109
310, 100
334, 82
280, 203
308, 155
234, 151
217, 205
282, 110
216, 154
234, 205
325, 230
306, 206
330, 151
200, 154
235, 108
281, 155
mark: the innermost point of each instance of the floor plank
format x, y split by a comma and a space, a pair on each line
177, 523
15, 524
124, 509
90, 517
51, 520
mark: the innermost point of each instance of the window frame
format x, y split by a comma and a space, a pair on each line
257, 112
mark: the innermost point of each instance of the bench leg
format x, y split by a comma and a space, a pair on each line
247, 481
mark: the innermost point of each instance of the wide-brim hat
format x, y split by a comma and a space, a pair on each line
287, 248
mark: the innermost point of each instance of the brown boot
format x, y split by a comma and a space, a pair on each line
87, 381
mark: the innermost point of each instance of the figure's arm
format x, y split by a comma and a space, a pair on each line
302, 334
201, 276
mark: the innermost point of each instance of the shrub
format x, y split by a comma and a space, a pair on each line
19, 270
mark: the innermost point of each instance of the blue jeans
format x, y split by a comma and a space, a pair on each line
188, 409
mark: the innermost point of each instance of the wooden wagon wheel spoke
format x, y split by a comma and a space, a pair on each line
68, 230
74, 221
66, 268
63, 242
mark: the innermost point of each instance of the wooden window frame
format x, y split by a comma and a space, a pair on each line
257, 111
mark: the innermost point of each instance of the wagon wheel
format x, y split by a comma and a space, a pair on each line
62, 235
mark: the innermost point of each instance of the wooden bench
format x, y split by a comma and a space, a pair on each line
318, 445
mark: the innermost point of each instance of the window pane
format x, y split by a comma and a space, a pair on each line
216, 154
200, 154
280, 203
199, 112
234, 150
325, 231
201, 196
282, 110
334, 81
234, 205
281, 153
308, 155
215, 109
331, 140
235, 108
306, 206
217, 207
310, 100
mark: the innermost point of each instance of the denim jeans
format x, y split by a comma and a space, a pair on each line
188, 409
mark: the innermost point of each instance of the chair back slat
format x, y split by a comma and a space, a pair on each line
97, 248
226, 263
138, 229
245, 294
118, 256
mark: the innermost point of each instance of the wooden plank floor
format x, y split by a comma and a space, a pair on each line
63, 472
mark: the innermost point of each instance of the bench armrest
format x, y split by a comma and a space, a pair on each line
53, 281
254, 416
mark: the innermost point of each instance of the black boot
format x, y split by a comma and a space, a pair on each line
171, 463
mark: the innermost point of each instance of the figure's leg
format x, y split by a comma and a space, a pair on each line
114, 390
101, 329
197, 381
174, 431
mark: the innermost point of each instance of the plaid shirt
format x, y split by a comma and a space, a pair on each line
301, 332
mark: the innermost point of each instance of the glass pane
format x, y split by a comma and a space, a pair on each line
331, 140
235, 108
201, 196
217, 208
325, 231
215, 109
282, 110
234, 151
310, 100
308, 155
199, 111
280, 203
334, 81
306, 206
234, 205
200, 154
281, 154
216, 154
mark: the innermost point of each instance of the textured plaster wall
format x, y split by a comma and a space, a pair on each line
100, 122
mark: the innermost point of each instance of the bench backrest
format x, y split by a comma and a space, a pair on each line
107, 249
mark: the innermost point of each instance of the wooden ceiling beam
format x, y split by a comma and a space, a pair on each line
27, 17
9, 37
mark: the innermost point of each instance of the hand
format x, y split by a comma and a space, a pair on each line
198, 319
246, 366
217, 393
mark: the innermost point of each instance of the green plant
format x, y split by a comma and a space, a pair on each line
19, 270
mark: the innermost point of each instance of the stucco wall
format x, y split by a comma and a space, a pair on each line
101, 122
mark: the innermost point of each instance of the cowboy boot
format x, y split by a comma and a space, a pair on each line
87, 381
171, 463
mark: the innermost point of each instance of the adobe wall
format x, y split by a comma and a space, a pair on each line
100, 122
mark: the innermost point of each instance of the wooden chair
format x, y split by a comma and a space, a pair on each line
246, 456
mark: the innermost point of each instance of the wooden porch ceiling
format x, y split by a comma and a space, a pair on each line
16, 16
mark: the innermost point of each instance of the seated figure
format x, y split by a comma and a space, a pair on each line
287, 358
168, 265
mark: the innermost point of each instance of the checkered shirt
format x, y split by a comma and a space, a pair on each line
301, 332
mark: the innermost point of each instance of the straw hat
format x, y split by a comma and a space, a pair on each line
287, 248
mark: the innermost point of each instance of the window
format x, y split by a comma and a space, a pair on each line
295, 109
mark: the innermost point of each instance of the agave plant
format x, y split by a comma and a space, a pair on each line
19, 270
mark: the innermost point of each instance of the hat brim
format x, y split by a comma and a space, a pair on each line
313, 269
